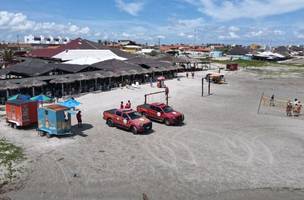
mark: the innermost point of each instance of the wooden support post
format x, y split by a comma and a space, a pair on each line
110, 83
7, 93
62, 89
33, 91
80, 86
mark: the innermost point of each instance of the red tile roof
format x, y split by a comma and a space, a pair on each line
74, 44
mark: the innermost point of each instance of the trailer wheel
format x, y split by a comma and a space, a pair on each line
41, 133
14, 125
134, 130
110, 123
167, 122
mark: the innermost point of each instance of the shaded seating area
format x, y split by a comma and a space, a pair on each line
57, 80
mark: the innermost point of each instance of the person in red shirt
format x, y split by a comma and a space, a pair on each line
121, 105
79, 120
128, 105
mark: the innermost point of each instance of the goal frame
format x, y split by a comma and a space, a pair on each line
153, 93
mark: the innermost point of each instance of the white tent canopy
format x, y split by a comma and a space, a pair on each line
270, 54
83, 61
86, 57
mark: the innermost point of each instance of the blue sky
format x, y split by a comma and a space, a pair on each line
269, 22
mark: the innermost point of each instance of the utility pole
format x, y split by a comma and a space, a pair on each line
159, 43
18, 42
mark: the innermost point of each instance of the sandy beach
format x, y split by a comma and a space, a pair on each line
225, 150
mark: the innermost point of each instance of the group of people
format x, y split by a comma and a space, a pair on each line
293, 108
192, 74
127, 106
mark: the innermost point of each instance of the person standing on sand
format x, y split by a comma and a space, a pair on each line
121, 105
167, 91
289, 108
79, 119
128, 105
271, 103
187, 75
297, 109
296, 101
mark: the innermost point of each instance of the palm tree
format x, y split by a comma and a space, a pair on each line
8, 56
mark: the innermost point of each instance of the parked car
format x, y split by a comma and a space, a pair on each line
162, 113
127, 119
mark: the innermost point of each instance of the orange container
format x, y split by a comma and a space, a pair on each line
21, 113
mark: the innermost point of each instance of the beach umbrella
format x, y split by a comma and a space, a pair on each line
42, 98
70, 103
19, 97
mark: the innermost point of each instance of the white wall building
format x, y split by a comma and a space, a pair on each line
30, 39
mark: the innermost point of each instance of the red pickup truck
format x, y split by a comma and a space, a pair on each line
162, 113
127, 119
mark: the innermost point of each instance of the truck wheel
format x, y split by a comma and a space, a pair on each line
144, 114
48, 135
167, 122
134, 130
110, 123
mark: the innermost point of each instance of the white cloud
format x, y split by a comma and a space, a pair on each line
125, 35
234, 29
132, 8
228, 10
299, 34
161, 37
190, 36
182, 34
278, 32
190, 23
230, 35
18, 22
255, 33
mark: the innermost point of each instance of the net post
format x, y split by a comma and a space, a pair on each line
260, 103
202, 87
209, 83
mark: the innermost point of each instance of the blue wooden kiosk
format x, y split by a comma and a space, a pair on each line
54, 120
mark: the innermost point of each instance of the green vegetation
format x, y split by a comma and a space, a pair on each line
247, 63
8, 56
255, 63
10, 155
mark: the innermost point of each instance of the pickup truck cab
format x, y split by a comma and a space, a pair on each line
162, 113
127, 119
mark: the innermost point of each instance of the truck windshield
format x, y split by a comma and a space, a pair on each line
167, 109
134, 115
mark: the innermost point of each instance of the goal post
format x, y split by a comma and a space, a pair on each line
157, 93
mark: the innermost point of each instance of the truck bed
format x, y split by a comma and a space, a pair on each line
112, 111
146, 106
